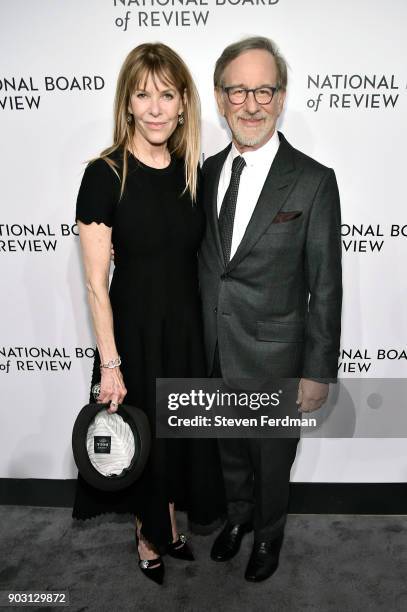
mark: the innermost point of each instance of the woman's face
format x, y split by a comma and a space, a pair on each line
155, 110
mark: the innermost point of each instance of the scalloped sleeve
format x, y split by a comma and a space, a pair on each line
98, 194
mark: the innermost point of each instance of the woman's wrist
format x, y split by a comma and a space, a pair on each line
108, 373
111, 363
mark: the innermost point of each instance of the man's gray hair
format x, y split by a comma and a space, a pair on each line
247, 44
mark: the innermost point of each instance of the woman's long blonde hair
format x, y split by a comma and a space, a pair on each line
161, 62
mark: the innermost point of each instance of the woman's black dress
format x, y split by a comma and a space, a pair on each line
158, 332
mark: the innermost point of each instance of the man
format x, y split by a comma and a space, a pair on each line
270, 274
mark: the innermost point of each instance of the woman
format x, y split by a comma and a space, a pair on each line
140, 195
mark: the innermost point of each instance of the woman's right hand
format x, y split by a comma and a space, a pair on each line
112, 388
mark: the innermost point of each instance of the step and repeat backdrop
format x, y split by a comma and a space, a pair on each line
346, 107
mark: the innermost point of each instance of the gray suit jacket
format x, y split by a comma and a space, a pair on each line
275, 309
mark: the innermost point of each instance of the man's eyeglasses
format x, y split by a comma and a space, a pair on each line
238, 95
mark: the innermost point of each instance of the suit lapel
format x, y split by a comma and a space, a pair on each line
213, 184
277, 186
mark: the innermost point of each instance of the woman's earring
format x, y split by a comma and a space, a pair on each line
129, 118
181, 119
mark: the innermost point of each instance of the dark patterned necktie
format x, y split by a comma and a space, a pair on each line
228, 208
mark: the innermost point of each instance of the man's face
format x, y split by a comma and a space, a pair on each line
252, 124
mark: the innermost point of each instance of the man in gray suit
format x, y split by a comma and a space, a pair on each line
270, 275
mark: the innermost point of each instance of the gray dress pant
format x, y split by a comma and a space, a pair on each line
256, 473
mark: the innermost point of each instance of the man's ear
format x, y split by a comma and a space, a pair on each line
220, 100
280, 101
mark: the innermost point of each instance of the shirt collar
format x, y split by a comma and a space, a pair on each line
261, 156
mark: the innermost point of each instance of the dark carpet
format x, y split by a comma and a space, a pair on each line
328, 563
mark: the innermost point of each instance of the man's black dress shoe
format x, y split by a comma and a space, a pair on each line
228, 542
263, 561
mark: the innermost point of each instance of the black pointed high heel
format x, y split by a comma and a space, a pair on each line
180, 549
155, 573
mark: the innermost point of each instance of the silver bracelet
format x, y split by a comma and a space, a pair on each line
113, 363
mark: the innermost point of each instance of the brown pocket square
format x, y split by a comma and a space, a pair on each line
282, 217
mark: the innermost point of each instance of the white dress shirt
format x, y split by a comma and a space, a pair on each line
252, 179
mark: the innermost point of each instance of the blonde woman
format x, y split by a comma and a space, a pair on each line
140, 195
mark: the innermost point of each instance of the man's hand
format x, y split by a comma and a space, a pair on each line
111, 252
311, 395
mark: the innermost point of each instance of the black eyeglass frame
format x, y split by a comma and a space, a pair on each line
273, 92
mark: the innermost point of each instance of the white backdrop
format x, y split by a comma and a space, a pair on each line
52, 120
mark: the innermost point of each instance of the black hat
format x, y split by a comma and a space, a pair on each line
111, 449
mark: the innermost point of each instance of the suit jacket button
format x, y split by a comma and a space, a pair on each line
215, 309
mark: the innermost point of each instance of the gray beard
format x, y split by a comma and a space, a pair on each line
248, 142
